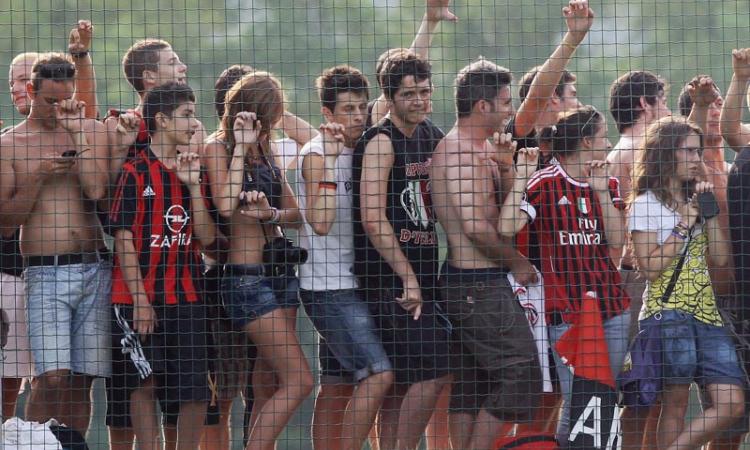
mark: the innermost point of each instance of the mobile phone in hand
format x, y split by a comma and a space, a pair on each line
70, 154
707, 205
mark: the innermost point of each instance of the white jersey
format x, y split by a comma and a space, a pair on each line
331, 258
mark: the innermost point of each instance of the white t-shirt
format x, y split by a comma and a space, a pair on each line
692, 293
648, 214
286, 149
331, 258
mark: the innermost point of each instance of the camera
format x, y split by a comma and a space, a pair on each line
280, 255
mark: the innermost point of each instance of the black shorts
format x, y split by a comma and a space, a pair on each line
493, 354
418, 349
175, 355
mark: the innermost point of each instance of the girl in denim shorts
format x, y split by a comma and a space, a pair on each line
674, 240
259, 295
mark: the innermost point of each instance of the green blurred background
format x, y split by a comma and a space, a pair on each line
296, 39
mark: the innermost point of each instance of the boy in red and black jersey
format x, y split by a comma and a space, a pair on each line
159, 217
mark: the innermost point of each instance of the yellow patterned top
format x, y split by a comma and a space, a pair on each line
692, 292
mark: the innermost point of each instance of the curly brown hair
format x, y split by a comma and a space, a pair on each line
655, 164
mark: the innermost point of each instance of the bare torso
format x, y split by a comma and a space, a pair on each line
62, 219
246, 238
487, 193
621, 162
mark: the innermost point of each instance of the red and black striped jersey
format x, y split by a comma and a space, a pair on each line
569, 245
154, 205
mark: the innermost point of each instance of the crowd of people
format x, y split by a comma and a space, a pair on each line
140, 248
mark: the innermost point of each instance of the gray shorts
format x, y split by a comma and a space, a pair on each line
69, 317
493, 356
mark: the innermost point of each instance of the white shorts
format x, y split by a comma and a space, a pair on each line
18, 363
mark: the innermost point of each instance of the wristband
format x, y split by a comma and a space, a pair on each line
678, 234
681, 231
79, 55
275, 216
682, 228
328, 185
570, 46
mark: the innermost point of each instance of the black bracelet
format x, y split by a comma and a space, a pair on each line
79, 55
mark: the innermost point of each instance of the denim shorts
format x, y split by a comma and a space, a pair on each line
247, 293
348, 331
68, 313
696, 351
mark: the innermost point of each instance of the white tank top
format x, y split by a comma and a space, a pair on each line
330, 261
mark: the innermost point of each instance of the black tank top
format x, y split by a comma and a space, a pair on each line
11, 261
408, 208
264, 176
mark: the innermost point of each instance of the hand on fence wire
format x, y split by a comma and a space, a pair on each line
69, 114
333, 139
188, 168
438, 11
256, 205
79, 40
579, 18
741, 63
247, 128
598, 176
703, 91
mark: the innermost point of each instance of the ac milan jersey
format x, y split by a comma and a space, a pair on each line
567, 227
154, 205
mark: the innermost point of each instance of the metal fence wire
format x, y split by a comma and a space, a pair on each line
397, 224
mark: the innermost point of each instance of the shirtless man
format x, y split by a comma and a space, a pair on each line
57, 168
78, 47
637, 99
495, 368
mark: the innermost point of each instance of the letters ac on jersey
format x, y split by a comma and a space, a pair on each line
154, 205
567, 241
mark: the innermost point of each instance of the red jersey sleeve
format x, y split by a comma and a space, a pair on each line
614, 193
122, 214
532, 199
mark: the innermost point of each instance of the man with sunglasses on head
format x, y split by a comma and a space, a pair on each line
56, 172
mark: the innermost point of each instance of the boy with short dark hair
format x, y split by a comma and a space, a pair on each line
158, 217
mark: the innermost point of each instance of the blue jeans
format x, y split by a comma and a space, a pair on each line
247, 293
68, 315
348, 330
696, 351
616, 333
